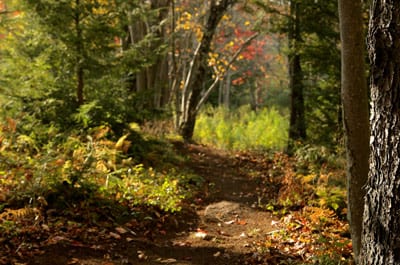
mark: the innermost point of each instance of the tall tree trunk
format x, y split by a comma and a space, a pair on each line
381, 232
152, 80
80, 85
227, 89
198, 73
80, 55
355, 113
158, 73
297, 127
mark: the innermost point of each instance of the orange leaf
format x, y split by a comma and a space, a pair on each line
241, 222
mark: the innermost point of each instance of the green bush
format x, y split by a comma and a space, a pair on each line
93, 164
242, 129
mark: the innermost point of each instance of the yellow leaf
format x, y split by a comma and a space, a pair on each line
134, 126
120, 141
225, 17
308, 178
101, 166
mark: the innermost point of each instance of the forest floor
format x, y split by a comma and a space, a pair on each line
223, 224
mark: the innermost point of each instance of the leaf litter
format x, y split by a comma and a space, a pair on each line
253, 233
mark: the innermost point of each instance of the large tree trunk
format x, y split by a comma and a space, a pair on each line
381, 233
198, 73
297, 127
355, 113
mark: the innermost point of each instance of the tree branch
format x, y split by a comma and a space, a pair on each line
245, 44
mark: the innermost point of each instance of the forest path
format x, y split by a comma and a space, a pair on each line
222, 225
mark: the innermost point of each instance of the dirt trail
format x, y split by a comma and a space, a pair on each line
222, 227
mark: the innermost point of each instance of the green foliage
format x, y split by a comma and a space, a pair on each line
242, 129
318, 48
321, 66
94, 165
312, 158
42, 48
315, 176
331, 197
139, 185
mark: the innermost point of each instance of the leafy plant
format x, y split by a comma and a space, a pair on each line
96, 162
242, 129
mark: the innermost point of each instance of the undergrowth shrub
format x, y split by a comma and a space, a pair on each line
323, 168
315, 176
242, 129
313, 158
31, 167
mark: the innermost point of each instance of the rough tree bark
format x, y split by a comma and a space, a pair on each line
355, 113
381, 232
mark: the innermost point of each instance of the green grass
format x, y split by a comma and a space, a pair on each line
242, 129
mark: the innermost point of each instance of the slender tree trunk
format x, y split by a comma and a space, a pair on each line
159, 71
80, 85
227, 90
221, 88
297, 127
381, 231
196, 77
152, 80
355, 113
80, 55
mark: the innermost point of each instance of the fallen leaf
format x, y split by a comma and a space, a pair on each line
56, 239
241, 222
77, 244
141, 255
115, 235
182, 243
243, 235
73, 261
274, 223
121, 230
96, 247
168, 261
223, 233
201, 235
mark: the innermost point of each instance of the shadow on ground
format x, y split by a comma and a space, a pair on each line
190, 237
138, 253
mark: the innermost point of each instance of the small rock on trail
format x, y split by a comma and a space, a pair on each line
222, 211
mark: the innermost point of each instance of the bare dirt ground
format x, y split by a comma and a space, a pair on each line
222, 225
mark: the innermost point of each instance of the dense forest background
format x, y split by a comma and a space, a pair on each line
94, 95
82, 64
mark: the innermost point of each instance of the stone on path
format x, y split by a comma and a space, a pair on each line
222, 211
